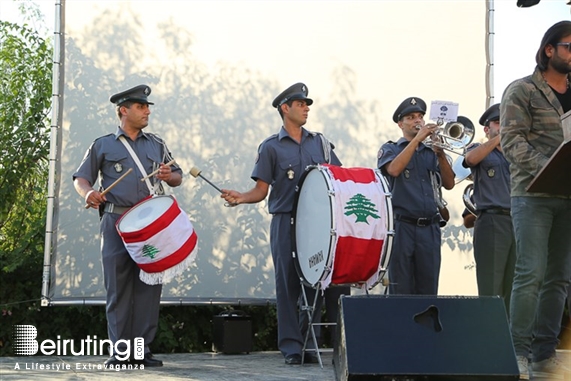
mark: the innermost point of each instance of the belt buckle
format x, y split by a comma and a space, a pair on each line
423, 222
109, 207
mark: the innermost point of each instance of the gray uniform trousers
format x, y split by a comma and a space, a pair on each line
495, 255
414, 268
132, 306
288, 285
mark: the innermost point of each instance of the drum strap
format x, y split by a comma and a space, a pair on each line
152, 189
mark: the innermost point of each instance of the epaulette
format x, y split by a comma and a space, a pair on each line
319, 134
155, 136
274, 136
103, 136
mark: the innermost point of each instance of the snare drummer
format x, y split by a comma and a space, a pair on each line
409, 165
132, 306
281, 160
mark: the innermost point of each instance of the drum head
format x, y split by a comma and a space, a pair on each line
313, 226
144, 213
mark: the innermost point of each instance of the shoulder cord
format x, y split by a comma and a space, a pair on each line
326, 148
152, 189
166, 156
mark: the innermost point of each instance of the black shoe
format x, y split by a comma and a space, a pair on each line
112, 361
294, 359
149, 361
310, 358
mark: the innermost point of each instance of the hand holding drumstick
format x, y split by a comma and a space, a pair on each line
195, 172
95, 204
163, 172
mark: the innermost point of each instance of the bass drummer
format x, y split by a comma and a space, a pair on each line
132, 307
280, 162
410, 167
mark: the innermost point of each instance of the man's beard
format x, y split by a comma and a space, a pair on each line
560, 65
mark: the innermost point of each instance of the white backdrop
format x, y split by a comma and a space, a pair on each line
215, 67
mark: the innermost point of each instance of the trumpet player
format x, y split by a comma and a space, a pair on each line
494, 242
410, 167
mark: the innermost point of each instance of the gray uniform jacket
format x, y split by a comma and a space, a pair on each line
109, 158
491, 181
281, 162
412, 191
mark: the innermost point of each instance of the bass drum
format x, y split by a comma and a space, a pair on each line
342, 226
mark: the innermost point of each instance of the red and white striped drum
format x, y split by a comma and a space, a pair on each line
159, 237
342, 226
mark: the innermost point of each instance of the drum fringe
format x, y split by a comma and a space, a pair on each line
169, 274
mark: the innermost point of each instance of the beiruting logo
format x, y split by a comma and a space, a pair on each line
25, 344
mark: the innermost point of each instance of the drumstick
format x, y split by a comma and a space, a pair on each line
157, 171
112, 185
195, 172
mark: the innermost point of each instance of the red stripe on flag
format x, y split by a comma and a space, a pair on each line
173, 259
356, 259
153, 228
355, 174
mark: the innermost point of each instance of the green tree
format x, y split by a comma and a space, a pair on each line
25, 102
25, 88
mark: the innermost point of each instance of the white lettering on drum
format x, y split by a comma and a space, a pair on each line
315, 259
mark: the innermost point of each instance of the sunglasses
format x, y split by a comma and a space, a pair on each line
567, 44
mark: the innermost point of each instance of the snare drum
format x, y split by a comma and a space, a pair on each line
159, 237
342, 226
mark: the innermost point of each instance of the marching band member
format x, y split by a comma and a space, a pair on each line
494, 242
281, 160
132, 306
410, 167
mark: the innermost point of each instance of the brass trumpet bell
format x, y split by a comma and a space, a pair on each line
460, 172
459, 134
468, 199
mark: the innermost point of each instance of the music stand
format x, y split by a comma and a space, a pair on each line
554, 176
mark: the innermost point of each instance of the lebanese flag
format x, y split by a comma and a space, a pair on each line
361, 224
164, 248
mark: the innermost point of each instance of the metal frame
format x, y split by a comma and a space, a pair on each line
54, 173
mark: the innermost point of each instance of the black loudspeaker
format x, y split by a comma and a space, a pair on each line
232, 332
391, 337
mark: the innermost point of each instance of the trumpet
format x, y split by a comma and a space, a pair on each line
453, 137
468, 199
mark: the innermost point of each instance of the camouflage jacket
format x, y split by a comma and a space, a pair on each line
531, 129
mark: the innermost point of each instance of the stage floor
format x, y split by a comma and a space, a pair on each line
256, 366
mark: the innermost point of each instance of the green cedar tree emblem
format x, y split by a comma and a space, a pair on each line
362, 207
150, 251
